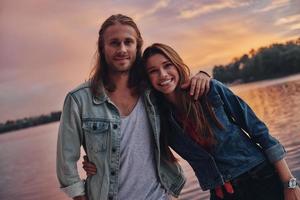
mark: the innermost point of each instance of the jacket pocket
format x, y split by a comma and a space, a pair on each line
96, 135
219, 110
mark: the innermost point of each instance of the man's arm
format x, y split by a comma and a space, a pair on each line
68, 149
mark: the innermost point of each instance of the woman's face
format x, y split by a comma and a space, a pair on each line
163, 75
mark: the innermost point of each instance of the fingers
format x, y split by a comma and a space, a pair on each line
199, 89
193, 84
90, 171
89, 167
80, 198
85, 158
199, 85
185, 85
207, 86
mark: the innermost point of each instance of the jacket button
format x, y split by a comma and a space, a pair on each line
115, 126
110, 197
114, 150
94, 126
113, 173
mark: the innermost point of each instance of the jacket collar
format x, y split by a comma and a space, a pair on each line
101, 97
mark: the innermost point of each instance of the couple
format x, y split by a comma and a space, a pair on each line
126, 129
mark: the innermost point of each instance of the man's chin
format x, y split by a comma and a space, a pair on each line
123, 70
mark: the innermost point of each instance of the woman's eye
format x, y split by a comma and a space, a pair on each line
168, 65
152, 71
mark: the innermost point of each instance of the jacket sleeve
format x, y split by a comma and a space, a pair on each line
242, 114
68, 149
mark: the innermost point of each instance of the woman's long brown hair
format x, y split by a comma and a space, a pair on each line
194, 111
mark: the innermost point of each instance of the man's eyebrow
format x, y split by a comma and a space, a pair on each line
113, 39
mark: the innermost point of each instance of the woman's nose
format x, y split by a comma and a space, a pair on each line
163, 73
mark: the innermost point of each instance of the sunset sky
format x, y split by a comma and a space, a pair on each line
47, 46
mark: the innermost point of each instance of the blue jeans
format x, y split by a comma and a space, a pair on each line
260, 183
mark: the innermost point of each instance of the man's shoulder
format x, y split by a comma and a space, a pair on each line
83, 87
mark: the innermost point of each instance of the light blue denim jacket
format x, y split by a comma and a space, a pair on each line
243, 144
94, 122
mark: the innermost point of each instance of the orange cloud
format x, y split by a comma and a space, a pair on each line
208, 8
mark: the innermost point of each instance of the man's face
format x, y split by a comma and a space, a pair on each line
120, 47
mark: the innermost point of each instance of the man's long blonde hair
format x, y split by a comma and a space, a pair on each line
99, 74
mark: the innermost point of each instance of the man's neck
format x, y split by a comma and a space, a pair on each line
120, 80
123, 96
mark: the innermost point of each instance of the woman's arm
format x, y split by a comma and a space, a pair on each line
285, 175
244, 116
241, 114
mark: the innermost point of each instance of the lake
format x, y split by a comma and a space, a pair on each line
27, 166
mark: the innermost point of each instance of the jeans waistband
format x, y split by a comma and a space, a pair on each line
254, 172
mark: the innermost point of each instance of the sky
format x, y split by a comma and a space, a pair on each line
47, 46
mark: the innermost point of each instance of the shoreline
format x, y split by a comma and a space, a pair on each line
28, 122
263, 83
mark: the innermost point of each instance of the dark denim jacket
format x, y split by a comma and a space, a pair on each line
236, 151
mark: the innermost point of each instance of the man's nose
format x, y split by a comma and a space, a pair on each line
122, 47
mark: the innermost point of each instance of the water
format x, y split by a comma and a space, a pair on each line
27, 166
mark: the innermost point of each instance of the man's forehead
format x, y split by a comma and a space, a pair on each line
119, 31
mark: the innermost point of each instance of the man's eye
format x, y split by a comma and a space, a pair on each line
128, 42
114, 43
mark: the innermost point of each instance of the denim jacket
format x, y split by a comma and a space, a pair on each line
244, 143
94, 122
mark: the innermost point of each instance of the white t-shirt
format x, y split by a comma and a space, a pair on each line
138, 179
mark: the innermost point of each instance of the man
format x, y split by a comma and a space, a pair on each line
118, 125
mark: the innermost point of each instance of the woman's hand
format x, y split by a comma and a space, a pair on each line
89, 167
199, 84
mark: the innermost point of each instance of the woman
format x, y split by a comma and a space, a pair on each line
222, 139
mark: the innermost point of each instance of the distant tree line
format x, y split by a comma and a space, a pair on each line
12, 125
274, 61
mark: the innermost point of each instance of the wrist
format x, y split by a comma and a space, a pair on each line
204, 72
291, 183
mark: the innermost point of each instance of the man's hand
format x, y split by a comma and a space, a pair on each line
80, 198
89, 167
199, 85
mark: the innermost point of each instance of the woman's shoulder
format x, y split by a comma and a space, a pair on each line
216, 87
217, 84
